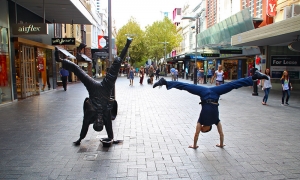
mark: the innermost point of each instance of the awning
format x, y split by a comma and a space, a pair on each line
280, 33
66, 11
83, 57
65, 52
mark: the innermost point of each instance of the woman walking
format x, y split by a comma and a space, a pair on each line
266, 83
151, 74
286, 88
131, 76
141, 74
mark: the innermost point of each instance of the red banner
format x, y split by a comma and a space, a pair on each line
3, 71
41, 63
271, 8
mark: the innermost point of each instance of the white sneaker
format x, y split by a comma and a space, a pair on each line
282, 104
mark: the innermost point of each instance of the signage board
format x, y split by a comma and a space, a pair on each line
231, 51
102, 42
210, 55
271, 8
29, 29
285, 60
63, 41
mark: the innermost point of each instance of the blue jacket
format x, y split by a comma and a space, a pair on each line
64, 72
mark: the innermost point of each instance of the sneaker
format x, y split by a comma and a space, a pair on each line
161, 82
282, 104
287, 104
259, 75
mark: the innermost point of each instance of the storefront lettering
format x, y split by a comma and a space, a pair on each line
284, 62
271, 8
63, 41
29, 29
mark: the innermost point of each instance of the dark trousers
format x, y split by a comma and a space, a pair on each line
287, 92
64, 82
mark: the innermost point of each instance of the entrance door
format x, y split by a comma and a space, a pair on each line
28, 73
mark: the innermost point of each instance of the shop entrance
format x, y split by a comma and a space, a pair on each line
26, 73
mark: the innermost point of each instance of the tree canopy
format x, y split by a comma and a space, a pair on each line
137, 50
148, 44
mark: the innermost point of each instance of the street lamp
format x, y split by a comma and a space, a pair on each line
165, 59
195, 18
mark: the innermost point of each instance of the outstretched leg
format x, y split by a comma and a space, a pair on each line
191, 88
225, 88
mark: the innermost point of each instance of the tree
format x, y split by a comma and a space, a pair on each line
137, 50
157, 34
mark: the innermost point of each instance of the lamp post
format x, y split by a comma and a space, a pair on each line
165, 58
205, 69
195, 66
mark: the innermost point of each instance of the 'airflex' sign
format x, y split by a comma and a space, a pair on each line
30, 29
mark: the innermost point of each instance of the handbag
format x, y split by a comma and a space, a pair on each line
141, 75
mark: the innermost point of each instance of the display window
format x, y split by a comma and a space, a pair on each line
230, 68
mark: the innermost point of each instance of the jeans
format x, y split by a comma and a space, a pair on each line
210, 92
287, 92
267, 91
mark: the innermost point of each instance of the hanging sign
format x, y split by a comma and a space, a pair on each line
63, 41
102, 42
271, 8
29, 29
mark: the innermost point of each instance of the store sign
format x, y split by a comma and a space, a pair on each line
29, 29
102, 42
63, 41
285, 60
210, 55
271, 8
231, 51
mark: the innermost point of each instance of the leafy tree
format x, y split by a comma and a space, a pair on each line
137, 50
157, 34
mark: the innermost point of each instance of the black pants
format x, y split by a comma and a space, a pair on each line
64, 82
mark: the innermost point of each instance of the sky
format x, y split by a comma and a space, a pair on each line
144, 11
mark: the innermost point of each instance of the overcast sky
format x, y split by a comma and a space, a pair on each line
144, 11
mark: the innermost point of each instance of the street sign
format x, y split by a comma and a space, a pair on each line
210, 55
231, 51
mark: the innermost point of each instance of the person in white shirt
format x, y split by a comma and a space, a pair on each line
266, 86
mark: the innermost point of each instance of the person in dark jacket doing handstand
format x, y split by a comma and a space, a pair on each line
97, 107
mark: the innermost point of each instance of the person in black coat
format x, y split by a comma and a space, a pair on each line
97, 107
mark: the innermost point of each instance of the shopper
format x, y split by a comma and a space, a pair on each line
209, 96
151, 74
286, 88
266, 86
131, 76
64, 77
142, 74
157, 71
219, 76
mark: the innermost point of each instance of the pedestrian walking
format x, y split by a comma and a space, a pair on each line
172, 71
266, 86
157, 71
131, 76
209, 96
142, 74
151, 74
201, 75
219, 76
209, 75
64, 77
286, 88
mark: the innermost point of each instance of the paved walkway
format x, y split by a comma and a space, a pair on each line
262, 142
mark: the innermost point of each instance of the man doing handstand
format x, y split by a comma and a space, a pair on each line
209, 96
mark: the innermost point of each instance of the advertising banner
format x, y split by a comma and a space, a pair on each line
285, 63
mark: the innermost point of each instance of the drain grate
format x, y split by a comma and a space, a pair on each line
90, 157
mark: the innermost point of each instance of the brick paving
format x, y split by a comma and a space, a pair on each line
262, 142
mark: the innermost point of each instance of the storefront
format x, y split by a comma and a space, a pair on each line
33, 66
5, 65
